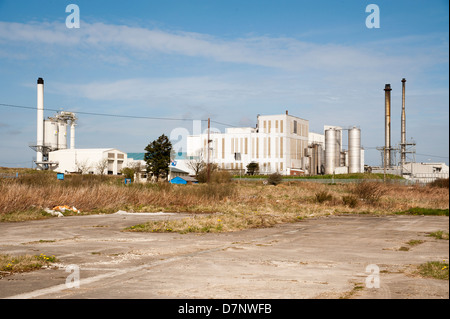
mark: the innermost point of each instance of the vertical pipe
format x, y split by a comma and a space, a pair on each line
330, 151
403, 127
387, 132
40, 119
72, 135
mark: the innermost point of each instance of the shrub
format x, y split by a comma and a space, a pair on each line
370, 192
441, 183
350, 201
274, 179
323, 196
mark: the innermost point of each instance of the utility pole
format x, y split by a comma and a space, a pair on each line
208, 172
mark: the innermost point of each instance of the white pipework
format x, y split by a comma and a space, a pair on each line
72, 135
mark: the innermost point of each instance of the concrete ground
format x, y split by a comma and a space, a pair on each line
329, 257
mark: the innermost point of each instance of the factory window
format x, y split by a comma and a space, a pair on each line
120, 156
276, 126
257, 147
223, 148
270, 125
295, 127
111, 155
265, 127
281, 147
281, 126
246, 146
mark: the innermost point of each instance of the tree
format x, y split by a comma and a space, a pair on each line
102, 166
196, 164
253, 168
157, 156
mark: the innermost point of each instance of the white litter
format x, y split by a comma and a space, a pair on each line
122, 212
52, 212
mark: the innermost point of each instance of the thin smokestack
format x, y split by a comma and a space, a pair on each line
40, 119
387, 124
403, 127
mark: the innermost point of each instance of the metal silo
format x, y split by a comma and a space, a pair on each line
330, 150
62, 135
354, 150
51, 134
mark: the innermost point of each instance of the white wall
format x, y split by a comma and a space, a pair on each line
88, 160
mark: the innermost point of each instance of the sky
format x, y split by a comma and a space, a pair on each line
159, 65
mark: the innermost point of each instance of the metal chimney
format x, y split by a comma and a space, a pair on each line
403, 128
40, 120
387, 125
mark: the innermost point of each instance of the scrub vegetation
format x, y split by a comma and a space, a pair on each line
222, 205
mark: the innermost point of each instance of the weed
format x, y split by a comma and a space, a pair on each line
12, 264
441, 183
323, 196
370, 192
434, 269
350, 201
439, 235
424, 211
274, 179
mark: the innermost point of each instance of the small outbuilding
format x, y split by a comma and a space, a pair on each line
183, 180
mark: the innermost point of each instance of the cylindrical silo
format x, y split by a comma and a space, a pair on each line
62, 135
330, 150
354, 150
51, 134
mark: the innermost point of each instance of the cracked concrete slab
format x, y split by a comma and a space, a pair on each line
315, 258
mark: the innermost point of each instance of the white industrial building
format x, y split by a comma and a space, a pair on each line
52, 150
277, 144
280, 143
89, 161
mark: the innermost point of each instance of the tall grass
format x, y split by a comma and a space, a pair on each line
93, 194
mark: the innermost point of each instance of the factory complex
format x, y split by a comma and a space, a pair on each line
277, 143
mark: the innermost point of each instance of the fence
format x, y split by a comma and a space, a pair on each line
9, 175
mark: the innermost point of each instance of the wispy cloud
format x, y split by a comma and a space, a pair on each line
282, 52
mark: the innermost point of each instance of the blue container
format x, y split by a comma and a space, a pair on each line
60, 176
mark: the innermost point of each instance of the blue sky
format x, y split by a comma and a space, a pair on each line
227, 60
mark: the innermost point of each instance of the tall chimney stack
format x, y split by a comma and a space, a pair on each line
387, 132
403, 127
40, 119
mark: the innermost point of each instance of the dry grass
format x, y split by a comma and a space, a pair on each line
238, 205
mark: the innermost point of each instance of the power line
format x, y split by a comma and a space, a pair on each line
115, 115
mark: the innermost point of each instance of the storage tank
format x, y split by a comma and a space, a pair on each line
354, 150
51, 134
62, 135
330, 150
